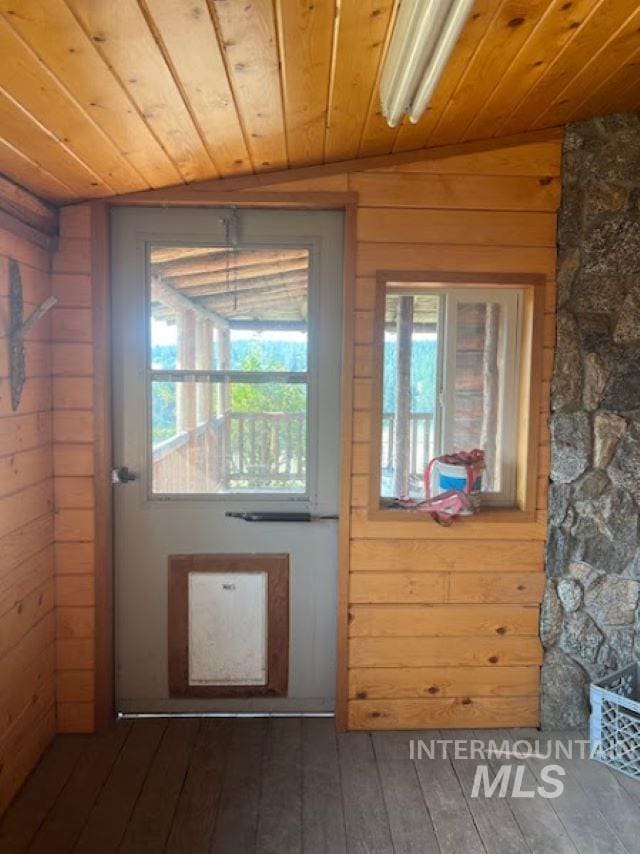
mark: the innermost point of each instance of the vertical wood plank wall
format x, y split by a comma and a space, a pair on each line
27, 618
73, 460
442, 623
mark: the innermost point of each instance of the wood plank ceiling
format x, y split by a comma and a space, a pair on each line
103, 97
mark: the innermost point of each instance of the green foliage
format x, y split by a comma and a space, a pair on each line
266, 397
164, 411
424, 371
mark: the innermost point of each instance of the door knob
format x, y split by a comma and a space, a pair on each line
123, 475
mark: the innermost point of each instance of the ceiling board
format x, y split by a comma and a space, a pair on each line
305, 33
125, 42
589, 39
105, 98
248, 33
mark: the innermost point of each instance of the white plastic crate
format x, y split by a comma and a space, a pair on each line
615, 720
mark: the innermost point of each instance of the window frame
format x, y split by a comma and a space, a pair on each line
528, 385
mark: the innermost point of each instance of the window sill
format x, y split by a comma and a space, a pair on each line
490, 515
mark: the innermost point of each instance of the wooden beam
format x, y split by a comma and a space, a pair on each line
162, 254
10, 223
217, 188
233, 262
27, 208
219, 287
491, 392
402, 438
269, 325
165, 294
211, 298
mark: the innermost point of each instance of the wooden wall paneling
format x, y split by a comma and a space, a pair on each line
434, 620
371, 683
346, 461
103, 496
79, 386
397, 188
444, 713
444, 652
437, 587
462, 257
27, 593
460, 555
418, 226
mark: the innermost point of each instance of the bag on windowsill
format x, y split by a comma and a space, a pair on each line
453, 484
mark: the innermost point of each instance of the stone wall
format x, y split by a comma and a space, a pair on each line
590, 621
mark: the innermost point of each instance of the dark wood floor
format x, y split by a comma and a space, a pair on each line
286, 785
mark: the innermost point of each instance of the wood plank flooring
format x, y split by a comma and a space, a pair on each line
292, 785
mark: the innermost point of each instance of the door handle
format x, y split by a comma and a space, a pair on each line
123, 475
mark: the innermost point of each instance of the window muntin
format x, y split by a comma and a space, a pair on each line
229, 371
459, 378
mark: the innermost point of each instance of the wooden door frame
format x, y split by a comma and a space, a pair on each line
104, 665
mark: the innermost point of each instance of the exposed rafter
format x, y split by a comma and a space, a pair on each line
165, 294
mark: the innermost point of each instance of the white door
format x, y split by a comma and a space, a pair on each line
226, 383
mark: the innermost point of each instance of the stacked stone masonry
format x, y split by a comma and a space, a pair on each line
590, 623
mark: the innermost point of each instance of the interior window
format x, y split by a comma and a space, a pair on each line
450, 368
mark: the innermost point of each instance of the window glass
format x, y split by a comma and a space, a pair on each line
253, 438
449, 384
410, 390
478, 384
229, 360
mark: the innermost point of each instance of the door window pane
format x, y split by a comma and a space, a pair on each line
237, 309
218, 315
252, 438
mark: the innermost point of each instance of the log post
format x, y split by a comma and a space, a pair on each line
186, 354
490, 393
203, 402
402, 444
224, 404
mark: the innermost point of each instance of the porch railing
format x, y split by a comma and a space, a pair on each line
420, 442
242, 450
249, 450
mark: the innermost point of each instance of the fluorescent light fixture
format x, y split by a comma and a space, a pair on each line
423, 37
